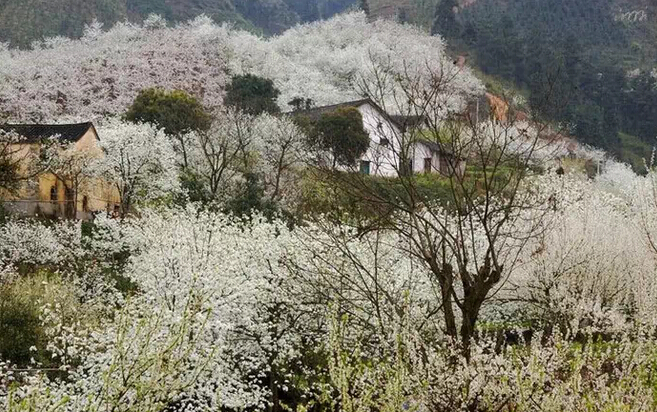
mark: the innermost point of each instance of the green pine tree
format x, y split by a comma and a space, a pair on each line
365, 6
445, 22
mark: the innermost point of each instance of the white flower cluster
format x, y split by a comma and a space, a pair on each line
102, 72
38, 243
224, 311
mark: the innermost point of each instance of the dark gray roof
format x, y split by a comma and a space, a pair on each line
431, 145
402, 122
316, 112
407, 121
435, 147
36, 132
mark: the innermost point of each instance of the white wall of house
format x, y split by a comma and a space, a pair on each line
383, 153
420, 152
382, 156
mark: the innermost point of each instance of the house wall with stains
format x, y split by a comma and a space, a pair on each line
46, 195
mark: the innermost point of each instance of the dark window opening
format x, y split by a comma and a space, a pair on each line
53, 193
85, 204
384, 141
427, 165
365, 167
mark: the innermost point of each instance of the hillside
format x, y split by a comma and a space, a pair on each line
595, 59
23, 21
620, 30
415, 11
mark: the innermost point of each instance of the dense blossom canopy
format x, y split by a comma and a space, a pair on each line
182, 306
103, 72
211, 287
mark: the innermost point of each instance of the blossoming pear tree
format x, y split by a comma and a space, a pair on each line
139, 159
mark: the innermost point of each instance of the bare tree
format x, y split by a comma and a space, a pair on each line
18, 162
471, 239
284, 144
219, 154
72, 166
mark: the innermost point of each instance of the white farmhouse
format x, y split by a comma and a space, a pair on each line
383, 158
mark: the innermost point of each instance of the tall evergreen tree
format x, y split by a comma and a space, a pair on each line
445, 22
365, 6
252, 94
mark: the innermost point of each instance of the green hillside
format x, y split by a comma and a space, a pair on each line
573, 58
621, 31
23, 21
573, 54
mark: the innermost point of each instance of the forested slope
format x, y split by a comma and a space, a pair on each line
23, 21
596, 59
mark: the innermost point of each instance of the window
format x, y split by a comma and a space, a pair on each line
85, 204
53, 193
384, 141
445, 166
365, 167
427, 165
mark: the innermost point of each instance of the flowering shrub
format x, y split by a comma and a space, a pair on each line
34, 242
224, 311
546, 374
102, 72
231, 314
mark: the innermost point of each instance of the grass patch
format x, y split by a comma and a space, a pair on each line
347, 196
634, 151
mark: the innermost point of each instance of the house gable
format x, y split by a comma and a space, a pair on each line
88, 141
49, 196
383, 155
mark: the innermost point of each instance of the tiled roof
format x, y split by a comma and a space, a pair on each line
36, 132
316, 112
435, 147
407, 121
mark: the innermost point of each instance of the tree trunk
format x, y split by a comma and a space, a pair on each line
125, 206
470, 312
446, 281
473, 298
181, 139
273, 402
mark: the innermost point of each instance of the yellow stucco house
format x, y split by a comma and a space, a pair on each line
49, 194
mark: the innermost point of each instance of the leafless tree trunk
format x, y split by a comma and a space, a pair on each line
470, 241
222, 151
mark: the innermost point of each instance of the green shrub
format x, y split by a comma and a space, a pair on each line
358, 197
20, 326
